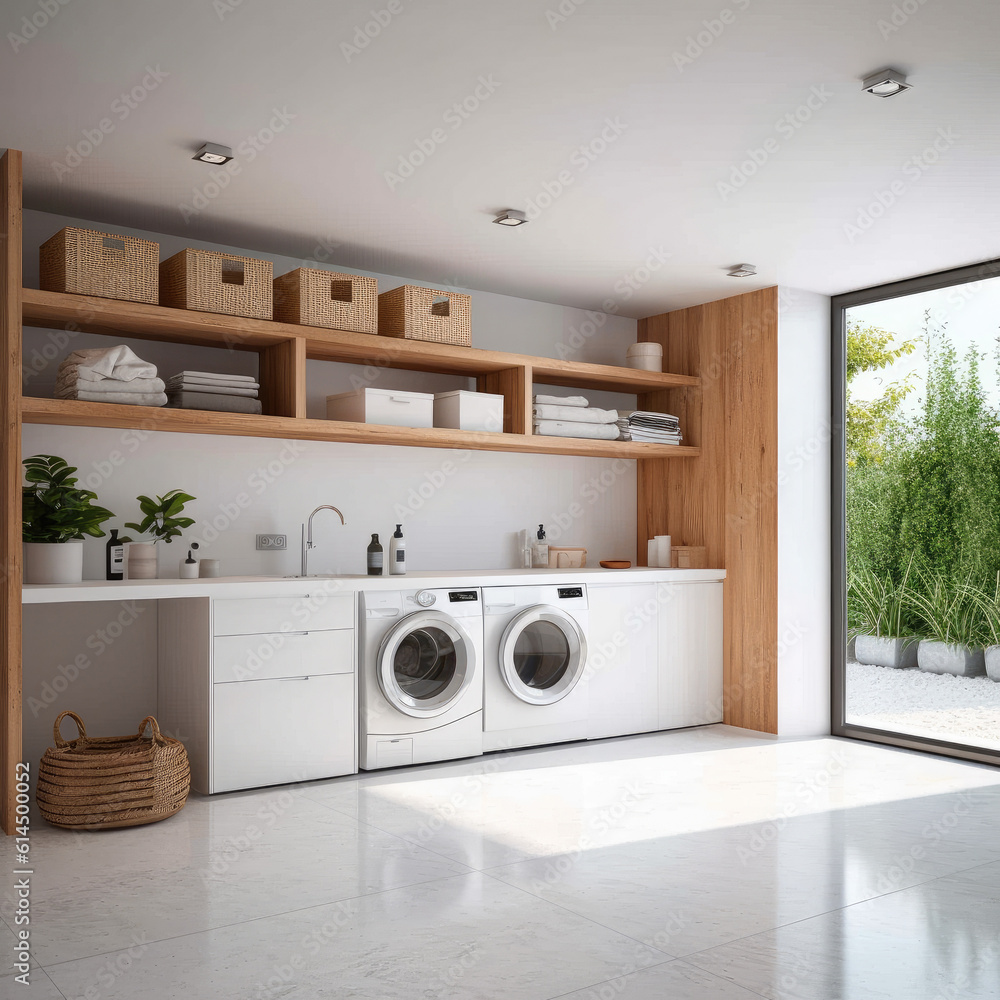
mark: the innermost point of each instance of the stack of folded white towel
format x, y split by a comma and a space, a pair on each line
214, 391
573, 416
645, 425
109, 375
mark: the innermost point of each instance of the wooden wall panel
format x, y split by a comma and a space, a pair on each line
726, 499
10, 481
514, 384
283, 379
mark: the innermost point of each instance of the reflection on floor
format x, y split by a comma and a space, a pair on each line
700, 864
939, 706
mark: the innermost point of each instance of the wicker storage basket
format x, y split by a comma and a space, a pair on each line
425, 314
112, 781
87, 262
209, 281
312, 297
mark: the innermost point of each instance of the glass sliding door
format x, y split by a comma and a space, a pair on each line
916, 504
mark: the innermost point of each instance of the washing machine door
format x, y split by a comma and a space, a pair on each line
543, 653
425, 664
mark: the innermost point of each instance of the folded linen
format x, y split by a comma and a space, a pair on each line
211, 384
222, 390
214, 376
650, 437
576, 428
562, 400
584, 414
66, 387
95, 364
213, 401
125, 398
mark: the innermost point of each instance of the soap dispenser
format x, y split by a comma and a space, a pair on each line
397, 553
374, 557
189, 566
540, 550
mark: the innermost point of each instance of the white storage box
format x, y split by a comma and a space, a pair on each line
383, 406
469, 411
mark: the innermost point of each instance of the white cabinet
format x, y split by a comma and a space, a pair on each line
261, 691
622, 660
690, 654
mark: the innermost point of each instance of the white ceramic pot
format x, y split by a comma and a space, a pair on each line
950, 658
142, 561
53, 562
645, 347
645, 362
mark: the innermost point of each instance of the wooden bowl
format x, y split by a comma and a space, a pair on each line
616, 563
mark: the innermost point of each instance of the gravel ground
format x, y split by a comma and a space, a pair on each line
962, 709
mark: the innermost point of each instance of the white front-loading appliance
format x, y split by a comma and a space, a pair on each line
534, 688
421, 688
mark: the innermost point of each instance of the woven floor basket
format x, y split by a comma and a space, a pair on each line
425, 314
100, 783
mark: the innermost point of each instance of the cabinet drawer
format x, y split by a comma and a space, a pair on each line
273, 732
282, 654
250, 616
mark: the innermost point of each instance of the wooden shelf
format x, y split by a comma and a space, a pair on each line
81, 414
111, 317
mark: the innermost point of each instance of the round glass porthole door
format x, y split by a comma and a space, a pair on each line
542, 655
425, 664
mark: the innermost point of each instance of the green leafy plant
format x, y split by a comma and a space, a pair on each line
949, 608
877, 606
989, 607
160, 516
54, 508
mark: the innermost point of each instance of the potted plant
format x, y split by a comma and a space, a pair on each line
879, 612
161, 520
55, 516
990, 608
952, 621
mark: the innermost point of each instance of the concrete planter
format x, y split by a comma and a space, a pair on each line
993, 663
885, 651
53, 562
950, 658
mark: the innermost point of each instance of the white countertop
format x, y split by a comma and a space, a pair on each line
264, 586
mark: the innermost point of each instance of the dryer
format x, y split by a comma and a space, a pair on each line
421, 686
534, 688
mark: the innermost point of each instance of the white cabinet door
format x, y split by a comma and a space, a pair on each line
270, 732
690, 646
307, 612
622, 661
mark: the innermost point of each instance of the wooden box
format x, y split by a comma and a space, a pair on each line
425, 314
311, 297
209, 281
688, 557
87, 262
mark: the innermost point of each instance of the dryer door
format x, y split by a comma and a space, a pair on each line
543, 653
425, 664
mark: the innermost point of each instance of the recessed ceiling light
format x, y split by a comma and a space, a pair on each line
213, 153
511, 217
742, 271
885, 83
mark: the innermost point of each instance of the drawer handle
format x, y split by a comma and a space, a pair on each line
399, 399
293, 634
294, 678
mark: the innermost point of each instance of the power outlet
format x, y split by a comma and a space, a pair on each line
272, 543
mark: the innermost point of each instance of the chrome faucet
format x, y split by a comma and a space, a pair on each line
307, 535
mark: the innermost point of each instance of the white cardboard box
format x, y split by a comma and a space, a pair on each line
383, 406
469, 411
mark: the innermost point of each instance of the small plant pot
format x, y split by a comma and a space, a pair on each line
950, 658
142, 561
53, 562
885, 651
992, 655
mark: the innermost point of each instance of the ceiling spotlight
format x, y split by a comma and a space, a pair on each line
742, 271
213, 153
885, 83
511, 217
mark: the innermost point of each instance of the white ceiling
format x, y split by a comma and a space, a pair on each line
654, 190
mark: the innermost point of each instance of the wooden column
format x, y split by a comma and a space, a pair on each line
283, 378
514, 384
726, 499
10, 481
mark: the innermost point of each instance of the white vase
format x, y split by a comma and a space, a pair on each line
53, 562
142, 561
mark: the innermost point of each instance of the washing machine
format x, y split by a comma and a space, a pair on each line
421, 687
534, 688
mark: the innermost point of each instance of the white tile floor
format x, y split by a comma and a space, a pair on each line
699, 864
